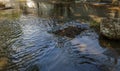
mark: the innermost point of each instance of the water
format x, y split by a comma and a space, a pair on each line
32, 43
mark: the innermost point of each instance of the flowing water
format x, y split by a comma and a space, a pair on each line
32, 43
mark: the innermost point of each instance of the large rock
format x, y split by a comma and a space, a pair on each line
110, 28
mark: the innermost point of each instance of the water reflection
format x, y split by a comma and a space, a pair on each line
33, 43
36, 49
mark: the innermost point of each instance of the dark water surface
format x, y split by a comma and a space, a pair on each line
31, 43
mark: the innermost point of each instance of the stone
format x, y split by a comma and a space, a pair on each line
110, 28
3, 63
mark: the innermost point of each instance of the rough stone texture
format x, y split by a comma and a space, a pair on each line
110, 28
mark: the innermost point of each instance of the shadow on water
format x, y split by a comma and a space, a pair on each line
112, 44
32, 43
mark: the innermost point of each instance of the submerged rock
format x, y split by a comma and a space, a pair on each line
70, 29
3, 63
69, 32
33, 68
